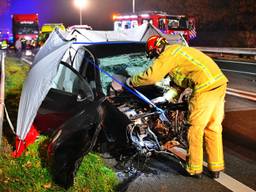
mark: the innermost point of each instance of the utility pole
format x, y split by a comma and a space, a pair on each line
80, 4
81, 22
133, 6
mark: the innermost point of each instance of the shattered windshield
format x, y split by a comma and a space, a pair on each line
132, 63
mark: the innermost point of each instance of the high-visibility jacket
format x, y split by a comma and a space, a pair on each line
187, 67
4, 45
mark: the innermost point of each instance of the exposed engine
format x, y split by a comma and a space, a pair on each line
148, 131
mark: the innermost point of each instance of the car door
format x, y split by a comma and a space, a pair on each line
68, 93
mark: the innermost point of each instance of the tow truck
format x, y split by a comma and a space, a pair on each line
169, 24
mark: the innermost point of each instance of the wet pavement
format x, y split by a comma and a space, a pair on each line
164, 174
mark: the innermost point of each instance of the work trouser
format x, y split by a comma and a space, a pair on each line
206, 115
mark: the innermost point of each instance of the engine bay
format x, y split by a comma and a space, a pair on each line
148, 132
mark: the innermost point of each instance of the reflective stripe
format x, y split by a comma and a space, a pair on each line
195, 167
177, 75
205, 70
197, 63
176, 50
209, 82
4, 46
216, 164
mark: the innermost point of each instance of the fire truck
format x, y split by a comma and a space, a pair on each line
169, 24
26, 28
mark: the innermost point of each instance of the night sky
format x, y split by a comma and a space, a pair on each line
98, 14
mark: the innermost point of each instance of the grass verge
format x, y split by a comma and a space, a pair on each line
30, 172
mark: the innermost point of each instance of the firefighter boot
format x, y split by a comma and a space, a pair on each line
215, 174
197, 176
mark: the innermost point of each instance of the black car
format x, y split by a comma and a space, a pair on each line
76, 110
82, 110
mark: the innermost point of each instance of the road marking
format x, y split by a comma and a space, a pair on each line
242, 72
27, 61
224, 179
233, 184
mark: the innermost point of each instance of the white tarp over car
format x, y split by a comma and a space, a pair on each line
38, 81
140, 34
47, 60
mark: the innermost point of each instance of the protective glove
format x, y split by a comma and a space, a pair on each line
167, 97
170, 94
159, 100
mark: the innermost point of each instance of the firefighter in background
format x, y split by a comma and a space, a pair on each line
190, 68
23, 44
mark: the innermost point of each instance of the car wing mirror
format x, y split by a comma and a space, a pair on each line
82, 96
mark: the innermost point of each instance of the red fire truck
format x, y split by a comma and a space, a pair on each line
169, 24
26, 28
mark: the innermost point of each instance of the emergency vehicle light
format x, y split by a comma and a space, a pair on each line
26, 22
125, 17
133, 16
144, 15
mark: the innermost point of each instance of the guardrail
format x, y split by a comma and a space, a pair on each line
248, 54
227, 50
2, 84
242, 94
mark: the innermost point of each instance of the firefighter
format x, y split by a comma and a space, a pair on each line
190, 68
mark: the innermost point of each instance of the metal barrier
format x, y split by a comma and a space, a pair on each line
243, 51
248, 52
2, 84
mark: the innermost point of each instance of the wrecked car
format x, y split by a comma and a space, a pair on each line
76, 100
89, 110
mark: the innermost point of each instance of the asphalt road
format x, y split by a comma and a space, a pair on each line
239, 124
170, 176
